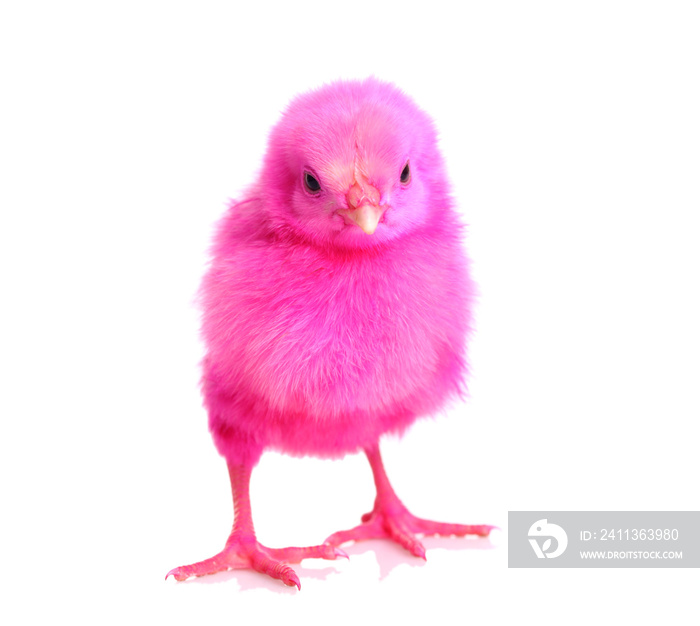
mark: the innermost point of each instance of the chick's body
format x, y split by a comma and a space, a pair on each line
336, 307
320, 352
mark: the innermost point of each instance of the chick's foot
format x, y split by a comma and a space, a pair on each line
390, 519
245, 552
394, 521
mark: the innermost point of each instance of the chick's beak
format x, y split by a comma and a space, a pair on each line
364, 208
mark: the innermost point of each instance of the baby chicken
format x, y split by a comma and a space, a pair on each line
336, 308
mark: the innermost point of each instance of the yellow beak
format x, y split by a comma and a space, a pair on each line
366, 217
364, 208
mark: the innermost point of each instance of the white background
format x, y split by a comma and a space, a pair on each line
572, 136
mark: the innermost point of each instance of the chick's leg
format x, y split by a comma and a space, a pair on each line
390, 519
243, 551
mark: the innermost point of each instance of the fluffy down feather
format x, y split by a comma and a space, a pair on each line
320, 337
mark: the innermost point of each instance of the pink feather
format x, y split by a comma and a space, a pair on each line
320, 338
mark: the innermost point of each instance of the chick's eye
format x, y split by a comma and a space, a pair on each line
312, 185
405, 174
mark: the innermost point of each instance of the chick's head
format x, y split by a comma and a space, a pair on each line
353, 165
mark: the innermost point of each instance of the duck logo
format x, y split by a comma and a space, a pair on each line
541, 529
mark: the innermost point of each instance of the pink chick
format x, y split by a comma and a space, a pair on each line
336, 308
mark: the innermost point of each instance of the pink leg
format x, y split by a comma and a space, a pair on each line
390, 519
242, 550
